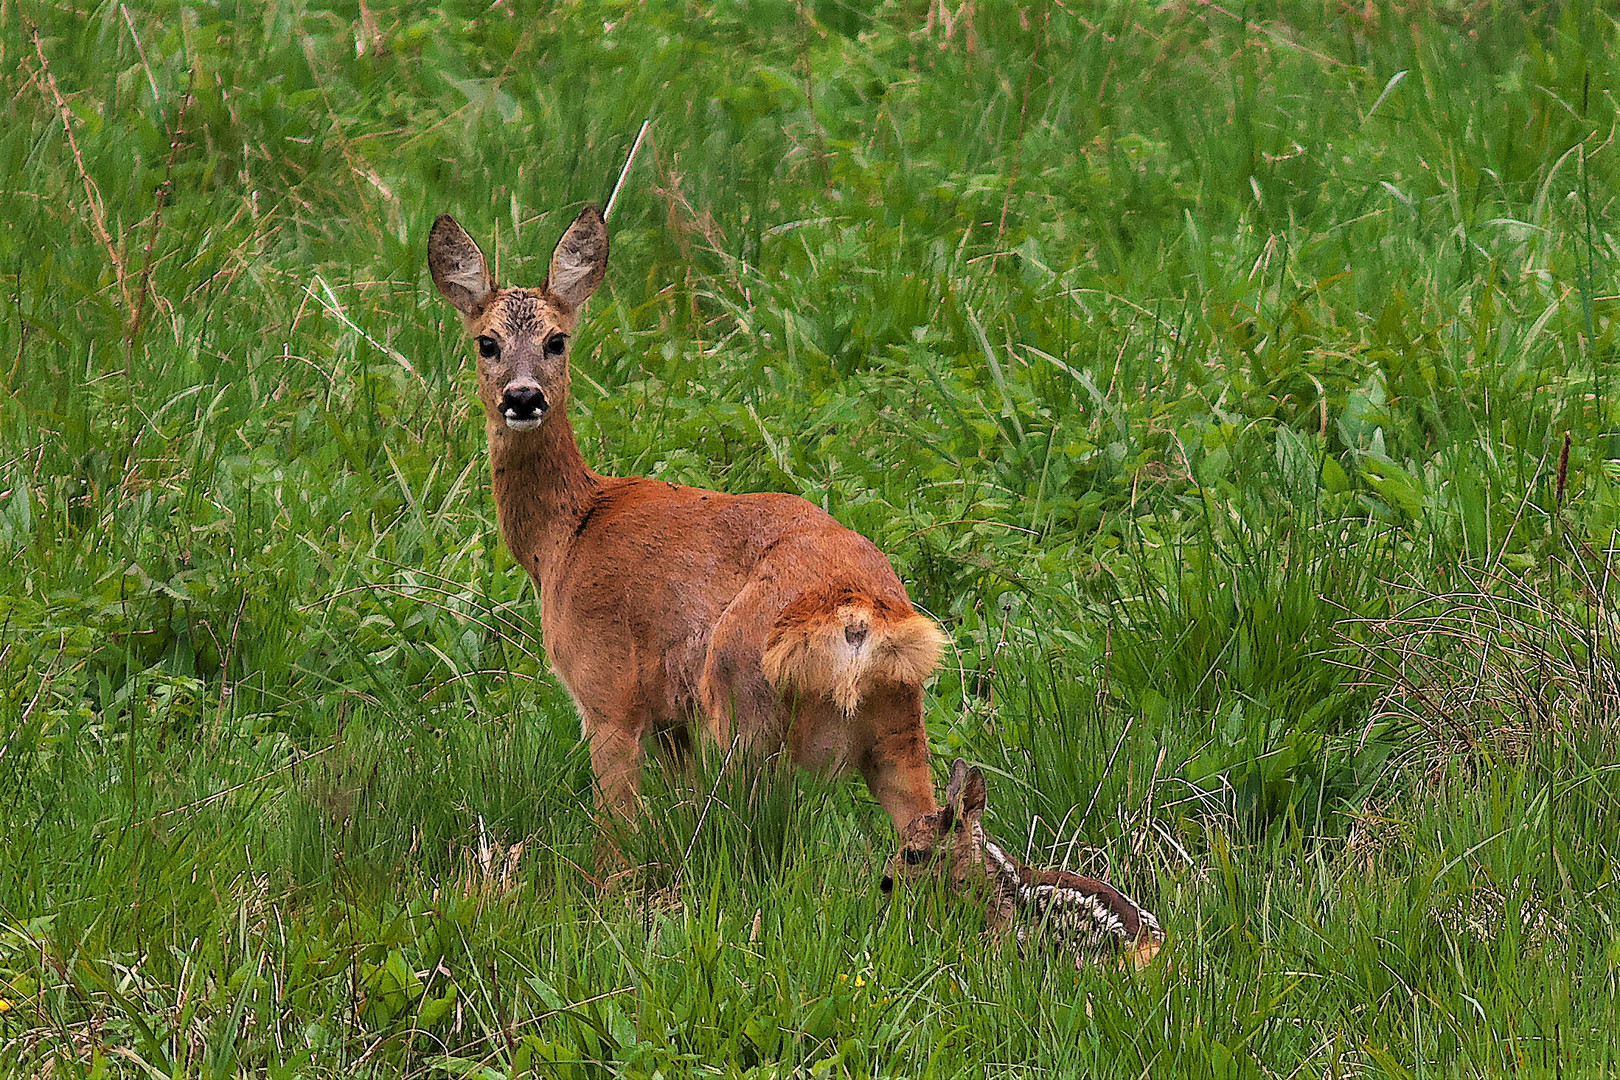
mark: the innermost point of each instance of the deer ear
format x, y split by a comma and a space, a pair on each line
580, 261
973, 793
458, 267
953, 786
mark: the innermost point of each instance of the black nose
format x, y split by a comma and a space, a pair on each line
887, 885
523, 402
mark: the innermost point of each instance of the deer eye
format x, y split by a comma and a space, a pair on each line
556, 343
915, 856
488, 347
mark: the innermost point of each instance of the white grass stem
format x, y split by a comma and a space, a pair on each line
630, 159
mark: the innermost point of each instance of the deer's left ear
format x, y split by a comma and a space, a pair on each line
580, 261
973, 797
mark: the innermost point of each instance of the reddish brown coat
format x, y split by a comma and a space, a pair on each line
660, 603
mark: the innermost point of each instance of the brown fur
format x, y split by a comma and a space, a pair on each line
840, 641
660, 602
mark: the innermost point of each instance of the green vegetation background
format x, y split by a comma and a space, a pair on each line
1234, 383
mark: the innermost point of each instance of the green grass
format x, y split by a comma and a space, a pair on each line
1207, 371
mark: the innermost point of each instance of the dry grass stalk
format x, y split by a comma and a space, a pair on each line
92, 194
494, 868
1488, 667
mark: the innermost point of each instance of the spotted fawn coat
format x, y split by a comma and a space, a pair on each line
1071, 912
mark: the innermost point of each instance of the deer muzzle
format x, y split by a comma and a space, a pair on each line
524, 405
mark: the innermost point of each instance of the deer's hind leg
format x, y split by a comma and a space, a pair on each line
738, 702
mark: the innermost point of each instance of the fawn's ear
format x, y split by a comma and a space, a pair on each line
972, 804
580, 261
458, 267
953, 786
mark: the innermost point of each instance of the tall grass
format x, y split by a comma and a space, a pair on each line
1233, 382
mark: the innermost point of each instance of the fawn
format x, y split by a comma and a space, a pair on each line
1088, 916
662, 603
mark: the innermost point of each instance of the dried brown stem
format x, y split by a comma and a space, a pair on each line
98, 213
161, 199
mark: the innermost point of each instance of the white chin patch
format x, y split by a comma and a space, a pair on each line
530, 424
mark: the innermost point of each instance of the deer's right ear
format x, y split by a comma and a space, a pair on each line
458, 267
953, 786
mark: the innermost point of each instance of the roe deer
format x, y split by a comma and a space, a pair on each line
1088, 916
661, 603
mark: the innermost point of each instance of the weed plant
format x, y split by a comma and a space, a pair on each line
1234, 383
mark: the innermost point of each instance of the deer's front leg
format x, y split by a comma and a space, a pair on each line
616, 761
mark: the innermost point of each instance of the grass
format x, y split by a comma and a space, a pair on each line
1233, 382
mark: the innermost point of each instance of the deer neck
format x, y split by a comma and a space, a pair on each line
543, 490
1007, 872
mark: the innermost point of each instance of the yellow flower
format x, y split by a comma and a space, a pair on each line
5, 1006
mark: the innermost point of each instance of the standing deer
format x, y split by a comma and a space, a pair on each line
661, 602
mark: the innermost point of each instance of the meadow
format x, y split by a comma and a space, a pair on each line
1236, 383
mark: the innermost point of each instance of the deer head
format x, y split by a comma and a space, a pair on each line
948, 842
521, 334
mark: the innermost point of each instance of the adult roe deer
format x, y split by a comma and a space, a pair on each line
659, 602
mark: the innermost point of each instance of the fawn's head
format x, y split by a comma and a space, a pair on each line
947, 842
521, 334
